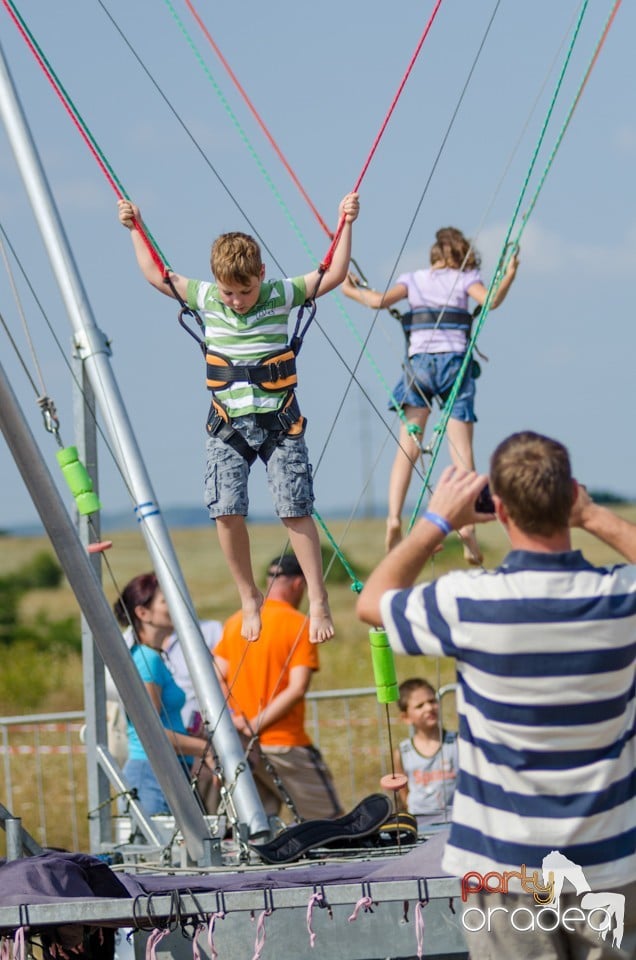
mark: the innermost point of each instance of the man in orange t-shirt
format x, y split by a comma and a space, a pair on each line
268, 680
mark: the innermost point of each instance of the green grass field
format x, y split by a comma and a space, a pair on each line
37, 681
345, 660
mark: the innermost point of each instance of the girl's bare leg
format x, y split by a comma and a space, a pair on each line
407, 454
235, 544
460, 440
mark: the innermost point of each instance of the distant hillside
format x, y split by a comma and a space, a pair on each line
608, 498
177, 518
186, 517
182, 517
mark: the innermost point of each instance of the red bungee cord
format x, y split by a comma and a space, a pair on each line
257, 117
329, 255
90, 142
118, 188
334, 237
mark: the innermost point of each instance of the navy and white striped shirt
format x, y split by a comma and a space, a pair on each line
545, 649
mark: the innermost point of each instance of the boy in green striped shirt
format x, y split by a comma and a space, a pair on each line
251, 373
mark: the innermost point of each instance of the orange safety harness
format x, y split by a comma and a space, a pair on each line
275, 372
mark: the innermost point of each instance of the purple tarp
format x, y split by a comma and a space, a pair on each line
54, 876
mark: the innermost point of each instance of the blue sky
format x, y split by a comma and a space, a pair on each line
560, 349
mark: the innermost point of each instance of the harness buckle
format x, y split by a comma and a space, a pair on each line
274, 373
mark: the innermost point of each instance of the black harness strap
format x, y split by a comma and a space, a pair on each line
275, 372
226, 432
298, 335
267, 374
280, 423
257, 375
186, 311
425, 319
428, 320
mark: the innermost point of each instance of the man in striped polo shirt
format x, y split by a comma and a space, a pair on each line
545, 649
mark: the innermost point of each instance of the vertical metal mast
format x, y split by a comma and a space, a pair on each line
93, 349
84, 582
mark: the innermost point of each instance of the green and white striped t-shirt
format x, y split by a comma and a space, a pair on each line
247, 338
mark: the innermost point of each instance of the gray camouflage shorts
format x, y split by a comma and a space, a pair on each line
289, 474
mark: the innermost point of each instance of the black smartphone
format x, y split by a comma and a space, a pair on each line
484, 502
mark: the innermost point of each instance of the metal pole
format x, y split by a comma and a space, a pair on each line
107, 763
94, 351
13, 827
100, 822
87, 589
27, 843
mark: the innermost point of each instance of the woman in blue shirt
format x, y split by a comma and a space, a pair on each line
143, 607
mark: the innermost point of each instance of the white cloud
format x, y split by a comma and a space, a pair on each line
550, 253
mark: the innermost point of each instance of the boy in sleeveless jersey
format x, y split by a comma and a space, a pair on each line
429, 757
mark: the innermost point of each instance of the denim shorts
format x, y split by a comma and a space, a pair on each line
289, 474
430, 376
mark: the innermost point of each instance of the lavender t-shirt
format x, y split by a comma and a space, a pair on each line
437, 289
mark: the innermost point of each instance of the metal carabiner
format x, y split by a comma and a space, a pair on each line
188, 312
49, 415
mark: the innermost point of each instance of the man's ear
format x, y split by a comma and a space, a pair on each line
500, 511
299, 585
262, 271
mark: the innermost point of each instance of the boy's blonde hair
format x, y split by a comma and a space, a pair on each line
236, 258
453, 250
532, 475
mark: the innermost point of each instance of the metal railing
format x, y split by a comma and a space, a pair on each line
43, 776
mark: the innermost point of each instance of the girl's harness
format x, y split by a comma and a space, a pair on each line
423, 318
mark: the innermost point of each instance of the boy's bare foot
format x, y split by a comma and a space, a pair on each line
321, 626
472, 551
393, 533
251, 610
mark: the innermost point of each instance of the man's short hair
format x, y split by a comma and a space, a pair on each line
236, 258
284, 565
532, 475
